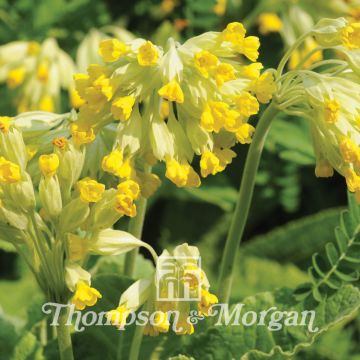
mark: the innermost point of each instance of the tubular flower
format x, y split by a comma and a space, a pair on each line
160, 297
85, 296
90, 190
112, 49
351, 36
269, 22
9, 172
38, 72
203, 88
48, 164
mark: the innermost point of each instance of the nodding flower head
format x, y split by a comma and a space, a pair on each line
172, 104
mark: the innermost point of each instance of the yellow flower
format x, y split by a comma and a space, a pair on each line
172, 92
47, 104
269, 22
251, 71
161, 322
85, 296
204, 62
207, 301
81, 134
82, 81
16, 77
75, 99
5, 122
42, 72
216, 115
246, 104
9, 172
182, 175
264, 87
148, 54
234, 32
90, 190
121, 107
209, 164
98, 93
223, 73
244, 133
118, 316
112, 49
351, 36
49, 164
129, 188
250, 47
124, 205
331, 111
60, 143
111, 163
125, 170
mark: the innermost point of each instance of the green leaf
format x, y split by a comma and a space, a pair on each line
296, 241
8, 337
28, 348
258, 342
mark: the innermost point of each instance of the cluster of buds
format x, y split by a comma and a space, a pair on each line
328, 98
196, 100
37, 73
178, 288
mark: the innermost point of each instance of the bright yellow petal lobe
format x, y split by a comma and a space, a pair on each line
148, 54
49, 164
111, 163
130, 188
118, 316
205, 62
247, 104
85, 296
207, 301
223, 73
112, 49
122, 107
124, 205
9, 172
90, 190
47, 104
172, 92
82, 135
244, 133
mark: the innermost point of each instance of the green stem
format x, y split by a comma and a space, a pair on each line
136, 343
243, 204
64, 337
136, 225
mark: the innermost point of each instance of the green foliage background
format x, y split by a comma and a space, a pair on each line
293, 216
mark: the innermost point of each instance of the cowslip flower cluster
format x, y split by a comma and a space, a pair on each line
158, 296
192, 99
69, 220
36, 73
329, 100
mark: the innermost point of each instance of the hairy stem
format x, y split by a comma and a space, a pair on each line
243, 204
64, 337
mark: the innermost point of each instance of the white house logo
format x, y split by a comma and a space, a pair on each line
178, 278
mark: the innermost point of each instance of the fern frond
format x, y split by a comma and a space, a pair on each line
340, 263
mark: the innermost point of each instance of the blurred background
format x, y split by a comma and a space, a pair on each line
293, 213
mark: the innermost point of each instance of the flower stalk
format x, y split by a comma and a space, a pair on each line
243, 204
64, 337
